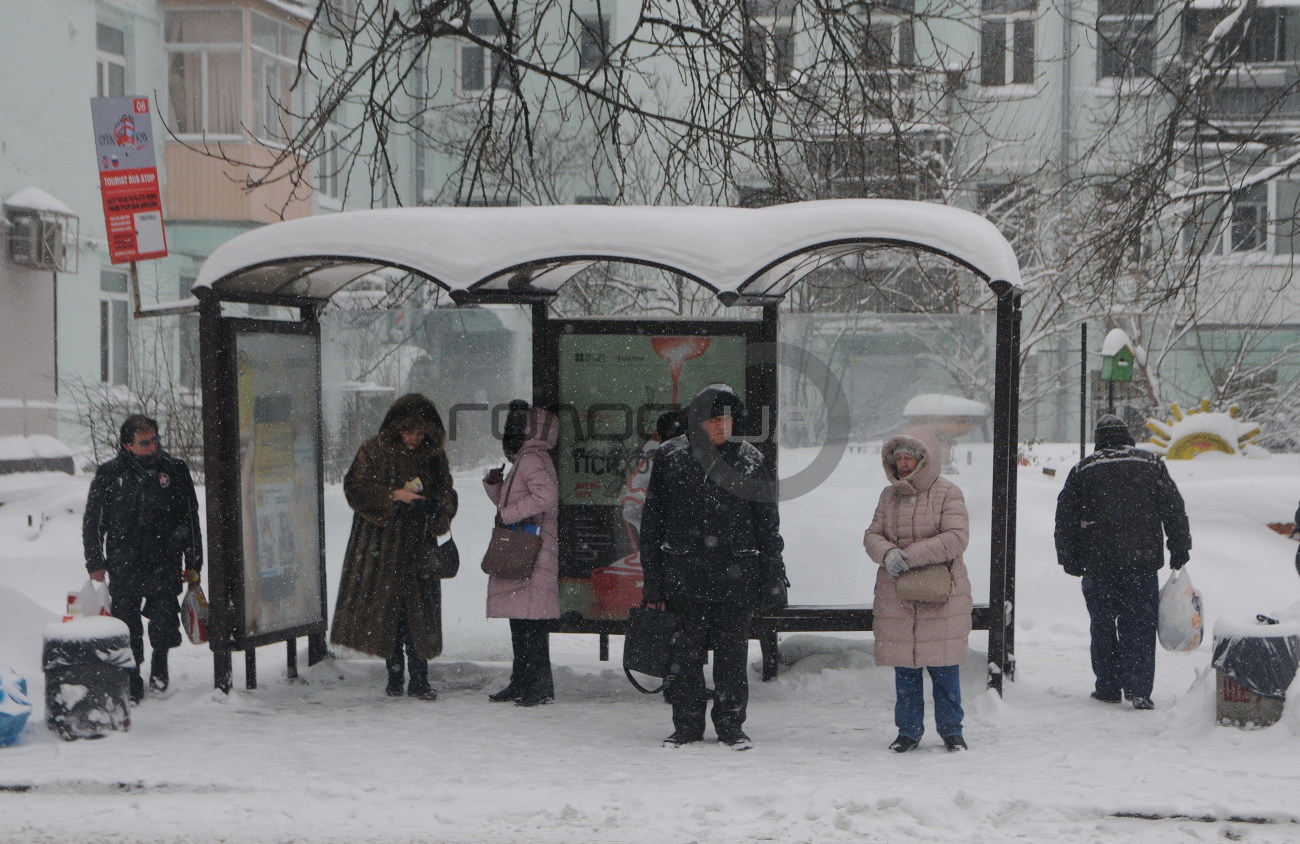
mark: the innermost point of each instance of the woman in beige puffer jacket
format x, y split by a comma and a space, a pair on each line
920, 521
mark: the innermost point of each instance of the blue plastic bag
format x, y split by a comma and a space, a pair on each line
14, 706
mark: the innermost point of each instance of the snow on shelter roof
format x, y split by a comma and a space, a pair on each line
533, 250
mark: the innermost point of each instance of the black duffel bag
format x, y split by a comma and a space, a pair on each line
648, 644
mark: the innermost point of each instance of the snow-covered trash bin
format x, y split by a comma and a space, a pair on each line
1255, 661
88, 663
14, 705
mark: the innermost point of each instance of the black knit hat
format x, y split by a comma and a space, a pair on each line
1112, 432
716, 400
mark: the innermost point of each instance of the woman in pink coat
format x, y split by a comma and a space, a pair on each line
920, 521
530, 493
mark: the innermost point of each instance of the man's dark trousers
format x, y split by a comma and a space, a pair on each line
724, 627
1124, 610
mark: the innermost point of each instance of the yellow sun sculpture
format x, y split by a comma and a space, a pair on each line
1183, 436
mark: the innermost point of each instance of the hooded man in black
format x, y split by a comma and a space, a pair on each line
141, 528
1116, 507
711, 549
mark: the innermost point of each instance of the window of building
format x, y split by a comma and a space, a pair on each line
888, 39
1247, 230
1007, 42
328, 178
1286, 218
113, 333
1126, 39
593, 43
208, 61
1261, 218
879, 167
205, 70
481, 68
110, 61
1272, 34
768, 48
274, 59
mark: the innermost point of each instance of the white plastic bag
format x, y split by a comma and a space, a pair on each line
89, 601
1181, 627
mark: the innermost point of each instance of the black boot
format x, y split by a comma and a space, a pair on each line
395, 676
419, 687
509, 693
159, 679
137, 686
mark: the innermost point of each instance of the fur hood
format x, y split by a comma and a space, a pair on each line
411, 411
926, 472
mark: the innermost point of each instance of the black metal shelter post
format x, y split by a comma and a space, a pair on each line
220, 463
1002, 551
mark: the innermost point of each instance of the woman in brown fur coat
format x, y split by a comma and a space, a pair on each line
399, 485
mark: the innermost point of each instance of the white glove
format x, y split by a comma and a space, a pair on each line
895, 562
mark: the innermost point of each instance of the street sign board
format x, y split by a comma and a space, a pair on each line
128, 178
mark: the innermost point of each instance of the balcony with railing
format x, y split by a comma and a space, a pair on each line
1257, 93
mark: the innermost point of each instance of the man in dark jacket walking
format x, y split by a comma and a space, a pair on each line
141, 528
1116, 506
711, 549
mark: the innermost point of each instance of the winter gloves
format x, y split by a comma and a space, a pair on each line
895, 562
1178, 559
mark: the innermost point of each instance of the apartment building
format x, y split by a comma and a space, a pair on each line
997, 95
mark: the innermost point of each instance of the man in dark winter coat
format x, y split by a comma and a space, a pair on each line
1117, 504
711, 549
141, 529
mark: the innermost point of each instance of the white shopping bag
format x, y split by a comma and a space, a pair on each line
90, 600
1181, 625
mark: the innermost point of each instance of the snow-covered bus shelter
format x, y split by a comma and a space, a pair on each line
261, 379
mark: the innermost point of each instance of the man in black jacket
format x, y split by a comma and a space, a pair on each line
141, 528
1117, 504
711, 549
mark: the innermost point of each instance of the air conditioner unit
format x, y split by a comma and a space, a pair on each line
40, 240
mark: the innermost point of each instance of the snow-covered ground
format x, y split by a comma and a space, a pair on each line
330, 759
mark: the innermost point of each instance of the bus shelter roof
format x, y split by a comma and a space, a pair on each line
480, 254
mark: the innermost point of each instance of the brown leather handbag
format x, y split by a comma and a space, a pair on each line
512, 551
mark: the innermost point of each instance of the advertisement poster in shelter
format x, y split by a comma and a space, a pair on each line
612, 390
128, 178
278, 458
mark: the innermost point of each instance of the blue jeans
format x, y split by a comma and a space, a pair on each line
1123, 609
909, 705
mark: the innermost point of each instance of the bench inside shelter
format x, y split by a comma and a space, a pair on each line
766, 627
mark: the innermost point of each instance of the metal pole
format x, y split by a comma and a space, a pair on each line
1002, 541
1083, 387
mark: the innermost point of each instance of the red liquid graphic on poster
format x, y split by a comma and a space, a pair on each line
678, 350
